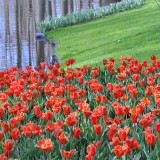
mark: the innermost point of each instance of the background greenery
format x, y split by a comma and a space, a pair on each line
133, 32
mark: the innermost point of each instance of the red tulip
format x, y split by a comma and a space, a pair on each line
97, 129
77, 132
97, 143
43, 64
157, 126
105, 61
146, 120
1, 134
70, 120
66, 109
142, 83
6, 152
8, 144
132, 143
1, 111
91, 150
14, 133
62, 138
93, 119
126, 109
88, 157
3, 157
135, 77
119, 150
13, 122
122, 133
133, 92
5, 126
67, 154
45, 144
150, 138
36, 110
115, 141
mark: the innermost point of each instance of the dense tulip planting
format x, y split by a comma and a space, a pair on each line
83, 113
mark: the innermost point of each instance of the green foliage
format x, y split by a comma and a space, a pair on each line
86, 15
133, 32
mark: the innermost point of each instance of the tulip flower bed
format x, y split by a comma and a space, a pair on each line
83, 113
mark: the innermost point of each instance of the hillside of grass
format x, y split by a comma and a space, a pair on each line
133, 32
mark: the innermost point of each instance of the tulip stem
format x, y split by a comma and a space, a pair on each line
43, 154
150, 148
134, 130
47, 155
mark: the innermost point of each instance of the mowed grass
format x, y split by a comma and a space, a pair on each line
133, 32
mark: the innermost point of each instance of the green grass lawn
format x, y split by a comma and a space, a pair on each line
133, 32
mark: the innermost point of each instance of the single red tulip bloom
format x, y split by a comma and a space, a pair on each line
20, 116
115, 141
36, 130
134, 117
8, 144
150, 138
70, 120
91, 150
13, 122
135, 77
97, 143
97, 129
119, 109
14, 133
126, 109
133, 92
6, 152
43, 64
104, 110
72, 60
5, 126
94, 73
104, 98
1, 134
148, 130
57, 65
80, 80
157, 126
48, 114
146, 120
1, 111
67, 154
36, 110
67, 62
132, 143
88, 157
122, 133
119, 150
77, 132
142, 83
112, 128
93, 119
98, 98
144, 63
66, 109
45, 144
3, 157
62, 71
110, 86
62, 138
27, 130
105, 61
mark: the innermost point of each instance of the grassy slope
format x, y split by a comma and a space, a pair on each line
134, 32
